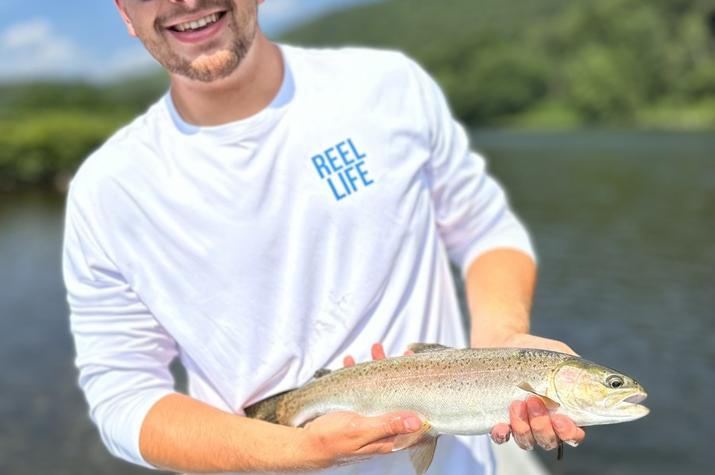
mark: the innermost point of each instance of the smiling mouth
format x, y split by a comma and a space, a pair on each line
197, 25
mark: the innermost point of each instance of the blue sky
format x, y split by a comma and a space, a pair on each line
86, 38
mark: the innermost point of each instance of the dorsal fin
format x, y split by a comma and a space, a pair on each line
321, 372
548, 402
426, 347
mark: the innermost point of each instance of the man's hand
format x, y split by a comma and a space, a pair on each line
529, 420
499, 287
531, 424
345, 437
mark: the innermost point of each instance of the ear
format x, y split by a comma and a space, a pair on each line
125, 16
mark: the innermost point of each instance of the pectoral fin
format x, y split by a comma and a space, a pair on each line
422, 453
421, 445
548, 402
404, 441
426, 347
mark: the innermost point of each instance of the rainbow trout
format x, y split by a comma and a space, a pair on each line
460, 391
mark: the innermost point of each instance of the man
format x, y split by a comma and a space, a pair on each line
278, 210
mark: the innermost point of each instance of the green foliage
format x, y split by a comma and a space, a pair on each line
508, 93
45, 149
47, 129
548, 63
538, 64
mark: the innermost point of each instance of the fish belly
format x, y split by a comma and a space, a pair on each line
448, 412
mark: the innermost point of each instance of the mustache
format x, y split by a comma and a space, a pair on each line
177, 11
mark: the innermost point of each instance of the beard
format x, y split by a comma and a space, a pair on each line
218, 62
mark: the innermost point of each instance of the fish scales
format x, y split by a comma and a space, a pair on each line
436, 385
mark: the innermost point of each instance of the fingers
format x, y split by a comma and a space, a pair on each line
532, 424
567, 431
379, 431
540, 422
519, 421
501, 433
343, 437
567, 349
377, 351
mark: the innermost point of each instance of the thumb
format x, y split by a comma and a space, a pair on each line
389, 425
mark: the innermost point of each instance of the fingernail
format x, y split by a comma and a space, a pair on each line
572, 443
412, 423
535, 407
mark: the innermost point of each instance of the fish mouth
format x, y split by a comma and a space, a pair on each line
636, 398
630, 407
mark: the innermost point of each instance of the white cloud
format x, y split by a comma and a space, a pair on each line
37, 49
33, 49
28, 34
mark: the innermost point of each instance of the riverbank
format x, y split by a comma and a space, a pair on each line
42, 153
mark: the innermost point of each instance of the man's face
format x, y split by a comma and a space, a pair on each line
202, 40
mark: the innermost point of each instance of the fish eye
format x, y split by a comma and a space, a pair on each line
615, 382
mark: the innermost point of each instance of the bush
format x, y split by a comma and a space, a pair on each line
45, 148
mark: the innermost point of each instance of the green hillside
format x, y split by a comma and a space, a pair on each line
48, 128
550, 63
504, 63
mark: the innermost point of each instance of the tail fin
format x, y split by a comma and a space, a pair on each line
265, 409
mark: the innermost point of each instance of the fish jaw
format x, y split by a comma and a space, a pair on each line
628, 409
624, 412
583, 388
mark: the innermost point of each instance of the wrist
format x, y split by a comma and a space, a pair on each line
311, 451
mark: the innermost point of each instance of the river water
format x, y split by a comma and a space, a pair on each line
625, 228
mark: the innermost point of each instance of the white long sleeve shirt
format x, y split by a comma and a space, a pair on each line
262, 250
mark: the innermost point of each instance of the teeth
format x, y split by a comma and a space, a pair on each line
196, 24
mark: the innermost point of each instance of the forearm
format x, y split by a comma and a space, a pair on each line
499, 287
186, 435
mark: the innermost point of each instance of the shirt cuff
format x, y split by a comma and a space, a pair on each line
514, 241
126, 443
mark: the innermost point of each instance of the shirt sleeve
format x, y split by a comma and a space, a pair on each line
123, 353
472, 209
